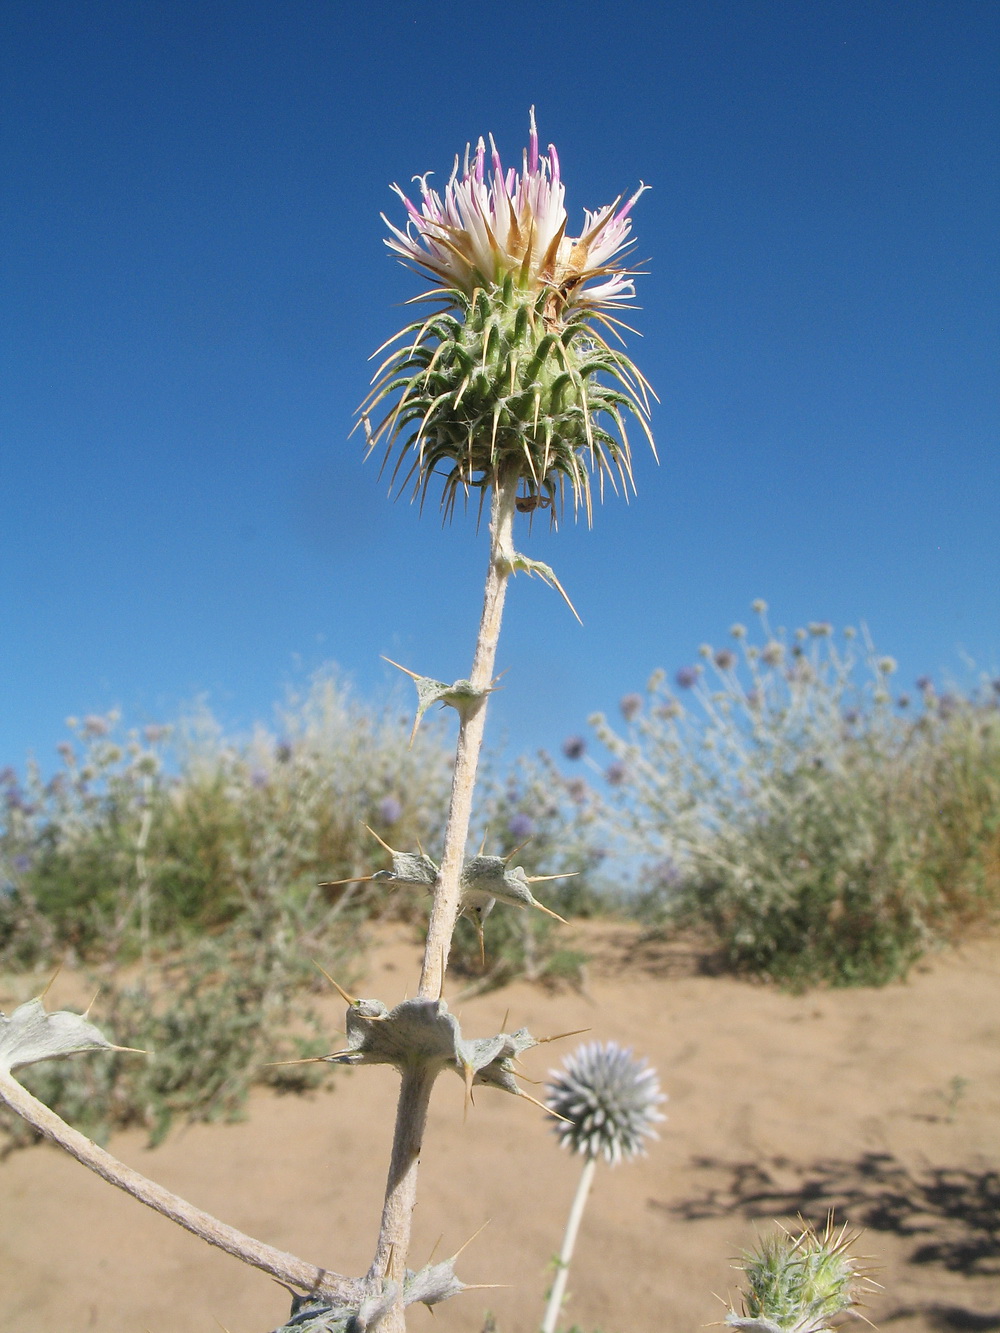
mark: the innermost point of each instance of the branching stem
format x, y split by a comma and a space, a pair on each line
286, 1267
411, 1111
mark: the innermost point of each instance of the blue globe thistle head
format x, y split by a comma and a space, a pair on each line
608, 1101
573, 747
687, 677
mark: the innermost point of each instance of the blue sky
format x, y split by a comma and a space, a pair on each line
194, 278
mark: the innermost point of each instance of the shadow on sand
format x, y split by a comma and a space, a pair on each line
951, 1214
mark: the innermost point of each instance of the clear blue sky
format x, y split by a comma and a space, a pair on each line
194, 277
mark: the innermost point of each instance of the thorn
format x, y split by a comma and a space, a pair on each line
430, 1257
519, 848
482, 942
503, 1025
542, 1107
308, 1060
549, 912
482, 845
482, 1286
466, 1245
380, 841
406, 670
50, 983
348, 999
86, 1012
131, 1050
355, 879
563, 874
560, 1035
470, 1074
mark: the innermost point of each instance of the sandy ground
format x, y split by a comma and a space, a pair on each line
778, 1104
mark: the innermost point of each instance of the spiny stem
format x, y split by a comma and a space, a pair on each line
558, 1291
411, 1110
285, 1267
470, 739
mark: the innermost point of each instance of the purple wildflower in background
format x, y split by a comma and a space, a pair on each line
93, 725
573, 747
22, 864
283, 752
520, 825
773, 653
8, 778
924, 684
903, 701
947, 704
851, 716
631, 706
576, 790
687, 677
390, 809
66, 751
667, 873
154, 732
615, 773
725, 660
754, 699
259, 778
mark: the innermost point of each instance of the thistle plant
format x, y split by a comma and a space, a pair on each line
805, 1283
604, 1104
508, 389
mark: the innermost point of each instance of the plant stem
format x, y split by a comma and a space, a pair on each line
569, 1244
470, 739
285, 1267
411, 1111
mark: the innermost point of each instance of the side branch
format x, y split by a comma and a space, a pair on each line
286, 1267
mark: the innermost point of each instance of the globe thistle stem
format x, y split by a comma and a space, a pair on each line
557, 1294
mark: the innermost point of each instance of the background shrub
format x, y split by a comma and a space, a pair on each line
823, 831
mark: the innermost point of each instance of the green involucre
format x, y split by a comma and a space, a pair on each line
508, 382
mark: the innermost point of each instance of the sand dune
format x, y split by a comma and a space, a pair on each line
883, 1103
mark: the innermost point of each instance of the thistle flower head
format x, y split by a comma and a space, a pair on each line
608, 1099
491, 223
511, 376
801, 1284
